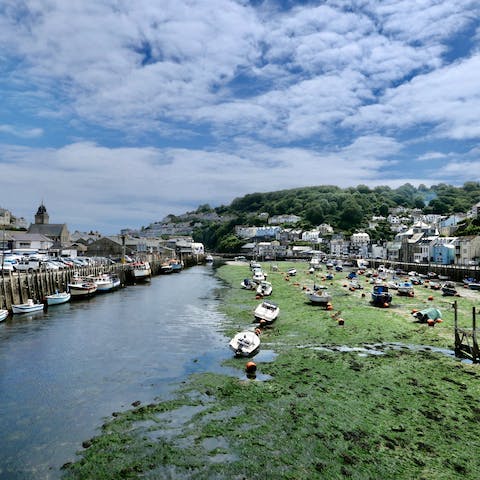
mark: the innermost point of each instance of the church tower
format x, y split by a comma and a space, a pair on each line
41, 217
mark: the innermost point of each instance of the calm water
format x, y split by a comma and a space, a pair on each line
63, 372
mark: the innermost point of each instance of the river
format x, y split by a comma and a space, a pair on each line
64, 371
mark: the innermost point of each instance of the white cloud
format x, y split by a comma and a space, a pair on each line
21, 132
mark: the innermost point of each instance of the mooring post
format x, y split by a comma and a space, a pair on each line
475, 352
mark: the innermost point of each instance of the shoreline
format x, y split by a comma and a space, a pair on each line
310, 413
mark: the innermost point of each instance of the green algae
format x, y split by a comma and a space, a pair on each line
323, 414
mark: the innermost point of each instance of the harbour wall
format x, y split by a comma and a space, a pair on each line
17, 288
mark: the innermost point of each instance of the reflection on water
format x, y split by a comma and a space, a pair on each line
64, 371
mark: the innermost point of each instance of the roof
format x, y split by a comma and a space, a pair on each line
49, 229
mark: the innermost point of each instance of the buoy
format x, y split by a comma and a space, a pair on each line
414, 311
363, 295
341, 321
439, 320
258, 296
329, 306
262, 322
345, 285
430, 297
251, 367
431, 322
411, 294
386, 305
258, 331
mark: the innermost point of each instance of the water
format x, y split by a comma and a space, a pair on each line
64, 371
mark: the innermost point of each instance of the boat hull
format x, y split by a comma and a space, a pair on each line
82, 290
27, 308
58, 298
266, 312
3, 315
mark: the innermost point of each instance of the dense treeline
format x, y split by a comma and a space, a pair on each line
346, 210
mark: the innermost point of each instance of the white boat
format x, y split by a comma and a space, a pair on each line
406, 288
3, 315
115, 280
103, 281
258, 275
28, 307
292, 272
245, 343
248, 284
264, 288
82, 288
142, 270
319, 298
209, 259
57, 298
266, 312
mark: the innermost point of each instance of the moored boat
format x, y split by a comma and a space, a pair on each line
264, 288
449, 289
82, 288
266, 312
3, 315
28, 307
248, 284
319, 297
142, 271
406, 288
381, 297
245, 343
57, 298
103, 281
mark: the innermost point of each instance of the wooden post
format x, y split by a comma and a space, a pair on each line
475, 352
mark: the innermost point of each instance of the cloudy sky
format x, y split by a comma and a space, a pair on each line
115, 113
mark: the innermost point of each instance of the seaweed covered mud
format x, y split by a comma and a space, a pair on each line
346, 391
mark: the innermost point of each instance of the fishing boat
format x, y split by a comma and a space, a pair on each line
82, 288
266, 312
319, 297
28, 307
264, 288
57, 298
177, 265
3, 315
381, 297
103, 281
245, 343
141, 271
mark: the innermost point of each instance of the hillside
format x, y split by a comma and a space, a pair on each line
345, 209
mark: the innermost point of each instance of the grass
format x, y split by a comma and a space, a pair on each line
324, 413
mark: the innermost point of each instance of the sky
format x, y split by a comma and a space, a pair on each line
116, 113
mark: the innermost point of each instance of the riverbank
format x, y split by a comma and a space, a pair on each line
329, 401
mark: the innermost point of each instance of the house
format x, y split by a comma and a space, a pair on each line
107, 247
339, 246
443, 250
359, 244
34, 241
467, 250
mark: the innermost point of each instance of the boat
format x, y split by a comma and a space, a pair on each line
28, 307
258, 275
116, 280
142, 271
264, 288
435, 285
292, 272
3, 315
245, 343
427, 314
449, 289
319, 297
381, 297
103, 281
177, 265
266, 312
82, 288
406, 289
248, 284
57, 298
471, 283
209, 259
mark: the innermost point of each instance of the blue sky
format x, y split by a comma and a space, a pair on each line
116, 113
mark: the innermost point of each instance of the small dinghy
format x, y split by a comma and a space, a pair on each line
264, 288
245, 343
3, 315
319, 297
248, 284
28, 307
57, 298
